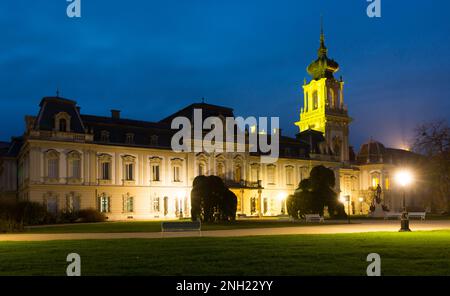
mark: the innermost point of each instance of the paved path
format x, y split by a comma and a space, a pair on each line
359, 227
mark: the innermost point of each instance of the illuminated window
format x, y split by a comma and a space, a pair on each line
387, 184
271, 174
128, 204
176, 174
315, 100
104, 203
106, 171
289, 175
155, 172
237, 173
156, 204
129, 169
375, 181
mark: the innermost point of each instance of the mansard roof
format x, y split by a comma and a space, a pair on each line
374, 152
51, 106
207, 111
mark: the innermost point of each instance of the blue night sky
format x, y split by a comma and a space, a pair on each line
151, 58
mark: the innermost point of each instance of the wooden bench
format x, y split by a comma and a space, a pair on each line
420, 215
181, 226
313, 218
389, 215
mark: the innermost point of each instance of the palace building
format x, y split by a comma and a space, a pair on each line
126, 168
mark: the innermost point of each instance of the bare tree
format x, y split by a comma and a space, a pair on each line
432, 139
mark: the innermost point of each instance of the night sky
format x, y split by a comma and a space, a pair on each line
151, 58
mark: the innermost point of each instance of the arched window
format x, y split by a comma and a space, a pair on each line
315, 98
62, 125
52, 157
331, 98
62, 122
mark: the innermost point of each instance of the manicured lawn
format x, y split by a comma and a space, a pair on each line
416, 253
155, 226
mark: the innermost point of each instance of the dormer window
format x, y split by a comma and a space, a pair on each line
154, 140
129, 138
104, 136
62, 125
62, 122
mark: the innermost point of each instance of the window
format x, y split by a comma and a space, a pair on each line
74, 164
237, 173
129, 138
62, 122
128, 203
129, 167
156, 204
254, 173
53, 168
155, 173
176, 174
73, 202
104, 136
315, 100
289, 175
252, 205
221, 170
106, 171
201, 169
52, 161
154, 140
177, 164
271, 174
62, 125
52, 204
375, 181
387, 184
104, 203
331, 98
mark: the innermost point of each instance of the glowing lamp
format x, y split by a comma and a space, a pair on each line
404, 178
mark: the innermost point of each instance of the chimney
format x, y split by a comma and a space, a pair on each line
115, 114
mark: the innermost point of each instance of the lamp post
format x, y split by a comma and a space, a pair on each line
282, 199
343, 199
404, 178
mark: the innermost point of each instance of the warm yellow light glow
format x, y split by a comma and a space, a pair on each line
281, 196
361, 199
180, 195
404, 178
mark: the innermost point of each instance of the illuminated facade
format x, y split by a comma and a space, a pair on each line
127, 169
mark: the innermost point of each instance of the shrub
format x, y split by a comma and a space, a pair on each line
91, 215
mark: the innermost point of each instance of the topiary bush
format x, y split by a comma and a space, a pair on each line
90, 215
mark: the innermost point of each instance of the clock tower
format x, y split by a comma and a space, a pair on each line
323, 109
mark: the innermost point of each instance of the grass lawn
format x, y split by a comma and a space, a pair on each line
416, 253
155, 226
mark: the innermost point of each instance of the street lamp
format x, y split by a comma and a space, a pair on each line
343, 199
404, 178
282, 198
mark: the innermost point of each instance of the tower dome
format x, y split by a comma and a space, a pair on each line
371, 152
322, 67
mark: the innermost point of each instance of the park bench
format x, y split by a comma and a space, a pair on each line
420, 215
313, 218
389, 215
181, 226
